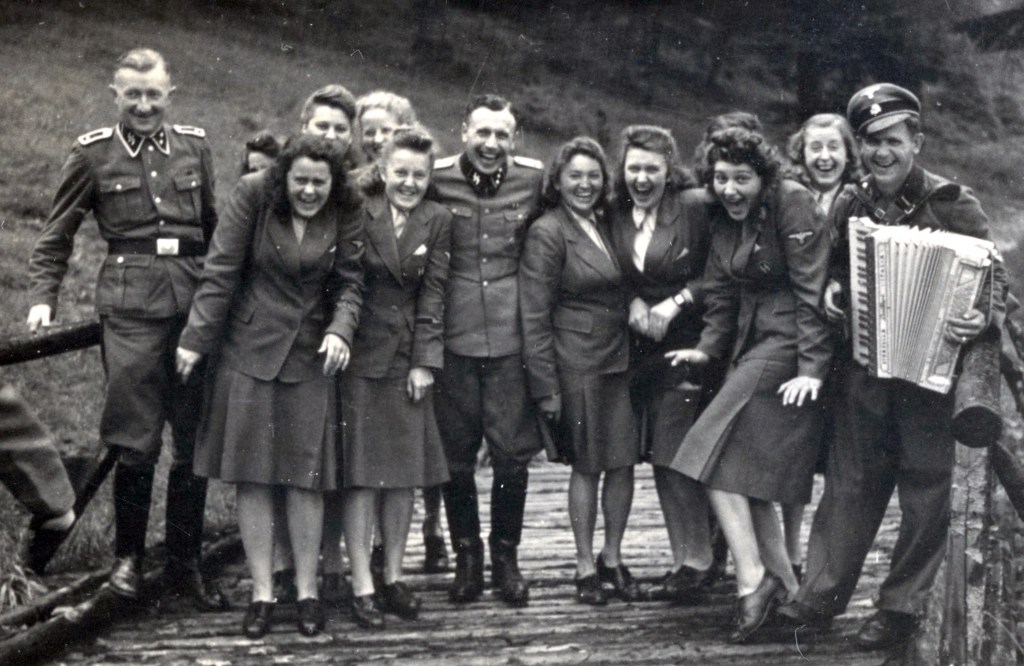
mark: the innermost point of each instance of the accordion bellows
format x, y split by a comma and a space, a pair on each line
906, 283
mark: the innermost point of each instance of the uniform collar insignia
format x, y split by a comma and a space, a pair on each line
485, 185
133, 141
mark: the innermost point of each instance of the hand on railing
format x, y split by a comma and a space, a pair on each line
39, 315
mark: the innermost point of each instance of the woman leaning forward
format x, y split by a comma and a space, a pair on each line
757, 441
279, 300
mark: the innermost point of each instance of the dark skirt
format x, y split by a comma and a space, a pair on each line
268, 432
599, 420
747, 443
388, 441
666, 400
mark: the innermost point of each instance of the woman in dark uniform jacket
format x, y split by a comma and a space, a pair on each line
756, 443
660, 237
824, 157
573, 305
391, 441
279, 298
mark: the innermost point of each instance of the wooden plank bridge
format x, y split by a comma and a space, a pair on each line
554, 629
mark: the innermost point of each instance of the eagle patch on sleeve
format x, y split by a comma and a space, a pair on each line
801, 236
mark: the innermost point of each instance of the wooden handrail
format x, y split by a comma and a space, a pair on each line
50, 341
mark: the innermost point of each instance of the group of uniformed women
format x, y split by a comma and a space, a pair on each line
670, 315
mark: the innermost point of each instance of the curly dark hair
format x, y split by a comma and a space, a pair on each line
739, 146
318, 149
416, 139
796, 143
745, 119
656, 140
580, 145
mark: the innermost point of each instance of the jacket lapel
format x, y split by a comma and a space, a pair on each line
283, 238
321, 235
586, 250
381, 232
663, 239
416, 233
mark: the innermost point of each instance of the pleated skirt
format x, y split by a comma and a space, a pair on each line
600, 421
747, 442
388, 441
268, 432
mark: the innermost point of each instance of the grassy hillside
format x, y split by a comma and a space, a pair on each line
237, 72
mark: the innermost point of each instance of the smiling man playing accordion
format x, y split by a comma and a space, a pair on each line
893, 432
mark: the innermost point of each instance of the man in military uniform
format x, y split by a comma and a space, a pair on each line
481, 393
889, 433
150, 187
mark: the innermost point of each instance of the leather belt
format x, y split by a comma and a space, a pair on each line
163, 247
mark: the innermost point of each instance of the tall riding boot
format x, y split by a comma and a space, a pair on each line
132, 489
460, 499
186, 501
508, 502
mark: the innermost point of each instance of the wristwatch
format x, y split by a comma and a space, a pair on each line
679, 299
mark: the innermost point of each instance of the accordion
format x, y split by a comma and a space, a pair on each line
906, 283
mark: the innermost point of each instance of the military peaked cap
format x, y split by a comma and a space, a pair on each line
880, 106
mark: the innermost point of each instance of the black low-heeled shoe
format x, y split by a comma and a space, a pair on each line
752, 610
257, 619
365, 612
589, 591
311, 617
401, 601
620, 579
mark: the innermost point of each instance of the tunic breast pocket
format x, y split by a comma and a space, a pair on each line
187, 186
121, 202
125, 284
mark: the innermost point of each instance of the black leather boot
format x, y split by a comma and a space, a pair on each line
469, 570
132, 489
186, 502
509, 584
508, 504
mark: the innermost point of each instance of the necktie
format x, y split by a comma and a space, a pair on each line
644, 221
400, 219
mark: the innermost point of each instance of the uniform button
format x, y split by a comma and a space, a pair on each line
150, 148
487, 210
152, 174
485, 236
484, 260
485, 283
157, 199
120, 260
193, 183
117, 187
161, 223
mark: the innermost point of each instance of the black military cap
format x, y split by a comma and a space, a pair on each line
879, 106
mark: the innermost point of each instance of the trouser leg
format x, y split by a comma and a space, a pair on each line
858, 484
925, 476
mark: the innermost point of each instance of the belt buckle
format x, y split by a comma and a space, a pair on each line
167, 247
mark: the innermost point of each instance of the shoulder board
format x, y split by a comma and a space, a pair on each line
189, 130
96, 135
528, 162
445, 162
